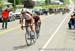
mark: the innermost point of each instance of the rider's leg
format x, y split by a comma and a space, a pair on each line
26, 27
69, 25
37, 28
33, 33
33, 28
74, 24
39, 25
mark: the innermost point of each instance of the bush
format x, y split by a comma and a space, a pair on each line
1, 5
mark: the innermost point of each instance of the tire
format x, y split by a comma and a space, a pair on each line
27, 39
34, 40
37, 30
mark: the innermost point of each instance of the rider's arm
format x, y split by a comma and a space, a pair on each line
32, 20
21, 20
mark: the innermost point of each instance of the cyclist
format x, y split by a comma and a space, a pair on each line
36, 18
71, 22
28, 21
37, 23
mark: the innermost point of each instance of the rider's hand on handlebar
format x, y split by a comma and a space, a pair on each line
22, 27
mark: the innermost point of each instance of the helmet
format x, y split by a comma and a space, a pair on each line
28, 11
22, 12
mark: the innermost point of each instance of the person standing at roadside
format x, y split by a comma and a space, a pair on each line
9, 8
5, 15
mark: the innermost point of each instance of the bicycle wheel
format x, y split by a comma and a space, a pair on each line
28, 38
33, 37
37, 30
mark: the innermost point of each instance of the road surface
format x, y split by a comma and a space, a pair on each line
54, 35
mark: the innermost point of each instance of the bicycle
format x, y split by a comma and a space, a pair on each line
29, 37
37, 28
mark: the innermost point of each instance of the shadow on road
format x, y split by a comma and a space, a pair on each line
20, 47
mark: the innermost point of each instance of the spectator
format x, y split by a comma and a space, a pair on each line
5, 15
9, 8
71, 22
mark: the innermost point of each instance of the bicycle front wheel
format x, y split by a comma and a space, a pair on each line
28, 39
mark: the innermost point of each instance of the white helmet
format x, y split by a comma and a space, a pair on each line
29, 10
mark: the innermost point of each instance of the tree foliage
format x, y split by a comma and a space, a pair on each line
16, 1
28, 3
1, 4
47, 2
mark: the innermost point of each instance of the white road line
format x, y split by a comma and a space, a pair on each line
50, 39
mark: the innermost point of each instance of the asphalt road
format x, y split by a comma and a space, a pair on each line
12, 39
54, 35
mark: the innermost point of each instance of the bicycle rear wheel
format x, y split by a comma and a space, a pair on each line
37, 28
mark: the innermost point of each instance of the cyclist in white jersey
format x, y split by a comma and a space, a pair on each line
28, 20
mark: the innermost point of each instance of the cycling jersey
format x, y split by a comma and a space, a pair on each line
36, 18
27, 18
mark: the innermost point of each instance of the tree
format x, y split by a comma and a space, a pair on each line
28, 3
1, 4
47, 2
16, 1
62, 0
